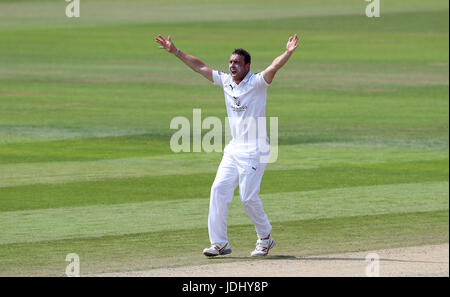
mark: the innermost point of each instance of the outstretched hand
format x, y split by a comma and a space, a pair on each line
292, 44
166, 44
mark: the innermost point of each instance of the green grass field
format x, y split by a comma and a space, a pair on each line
86, 104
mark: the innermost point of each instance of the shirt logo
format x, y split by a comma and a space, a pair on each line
237, 101
237, 105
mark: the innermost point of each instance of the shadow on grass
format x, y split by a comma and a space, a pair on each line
324, 259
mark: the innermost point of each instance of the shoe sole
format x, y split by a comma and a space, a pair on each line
270, 247
210, 255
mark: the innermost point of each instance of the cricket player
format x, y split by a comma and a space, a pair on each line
245, 99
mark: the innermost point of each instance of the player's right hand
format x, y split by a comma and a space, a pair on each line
166, 44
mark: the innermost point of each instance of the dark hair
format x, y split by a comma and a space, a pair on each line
244, 53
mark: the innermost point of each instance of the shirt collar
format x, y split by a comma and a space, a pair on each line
245, 80
247, 77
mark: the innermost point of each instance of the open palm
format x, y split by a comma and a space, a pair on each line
166, 44
292, 43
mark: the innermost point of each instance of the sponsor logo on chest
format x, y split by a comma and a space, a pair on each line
236, 103
237, 107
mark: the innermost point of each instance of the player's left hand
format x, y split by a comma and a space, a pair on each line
292, 44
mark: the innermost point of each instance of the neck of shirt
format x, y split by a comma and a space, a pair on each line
246, 77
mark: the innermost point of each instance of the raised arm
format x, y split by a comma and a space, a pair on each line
191, 61
270, 71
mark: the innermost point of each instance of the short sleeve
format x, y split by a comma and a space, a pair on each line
218, 77
260, 81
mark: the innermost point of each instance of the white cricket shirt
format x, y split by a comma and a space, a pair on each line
246, 108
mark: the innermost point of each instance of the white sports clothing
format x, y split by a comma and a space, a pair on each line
246, 109
240, 164
263, 247
217, 250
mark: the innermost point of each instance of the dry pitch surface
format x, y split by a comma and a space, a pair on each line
429, 260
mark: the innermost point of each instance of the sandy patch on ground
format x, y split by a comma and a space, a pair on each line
430, 260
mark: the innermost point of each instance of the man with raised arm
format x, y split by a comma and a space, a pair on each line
245, 100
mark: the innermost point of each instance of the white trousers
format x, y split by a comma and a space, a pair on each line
236, 170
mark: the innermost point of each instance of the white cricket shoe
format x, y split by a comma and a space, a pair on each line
217, 250
263, 246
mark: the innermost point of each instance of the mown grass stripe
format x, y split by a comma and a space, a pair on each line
155, 216
85, 149
163, 249
182, 186
290, 157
